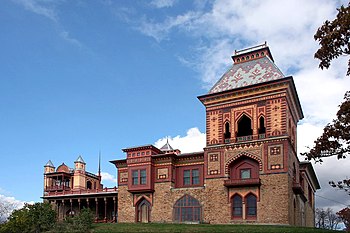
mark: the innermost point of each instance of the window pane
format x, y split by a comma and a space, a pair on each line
135, 177
143, 176
251, 205
187, 209
245, 174
195, 176
187, 180
237, 206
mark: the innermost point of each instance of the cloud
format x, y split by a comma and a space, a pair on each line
48, 9
8, 205
108, 177
193, 141
163, 3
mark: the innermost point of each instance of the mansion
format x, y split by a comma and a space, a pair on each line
248, 172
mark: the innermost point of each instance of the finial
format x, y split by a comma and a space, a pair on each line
99, 163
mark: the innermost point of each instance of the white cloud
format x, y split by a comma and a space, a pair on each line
163, 3
108, 177
194, 141
47, 8
9, 204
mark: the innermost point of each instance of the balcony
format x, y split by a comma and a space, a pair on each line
298, 189
242, 182
244, 138
57, 188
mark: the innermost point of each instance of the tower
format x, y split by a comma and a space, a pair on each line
251, 118
79, 174
48, 168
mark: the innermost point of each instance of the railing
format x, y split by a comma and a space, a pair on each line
82, 191
297, 188
242, 182
244, 138
262, 136
57, 188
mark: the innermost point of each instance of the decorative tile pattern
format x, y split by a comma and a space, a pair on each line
162, 173
246, 74
213, 163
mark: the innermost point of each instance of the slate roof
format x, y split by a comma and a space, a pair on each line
248, 73
166, 147
49, 164
80, 159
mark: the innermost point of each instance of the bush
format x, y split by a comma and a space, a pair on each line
36, 218
79, 223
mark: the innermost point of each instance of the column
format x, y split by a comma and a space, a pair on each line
96, 218
115, 209
79, 205
71, 207
63, 209
105, 219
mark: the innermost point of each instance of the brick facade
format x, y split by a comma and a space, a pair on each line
248, 172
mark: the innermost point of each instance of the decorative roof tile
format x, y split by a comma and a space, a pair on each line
248, 73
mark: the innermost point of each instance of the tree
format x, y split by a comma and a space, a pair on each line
326, 219
6, 208
39, 217
345, 216
335, 140
334, 38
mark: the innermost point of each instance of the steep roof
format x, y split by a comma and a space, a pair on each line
79, 160
49, 164
254, 71
166, 147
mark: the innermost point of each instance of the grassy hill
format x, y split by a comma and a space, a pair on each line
194, 228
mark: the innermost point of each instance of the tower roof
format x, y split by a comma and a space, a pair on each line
251, 66
80, 160
49, 164
166, 147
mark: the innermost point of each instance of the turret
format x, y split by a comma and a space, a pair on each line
79, 173
48, 168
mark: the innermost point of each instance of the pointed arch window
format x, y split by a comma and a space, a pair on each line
250, 206
262, 129
187, 209
237, 206
227, 134
244, 126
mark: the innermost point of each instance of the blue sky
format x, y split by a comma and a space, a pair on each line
79, 77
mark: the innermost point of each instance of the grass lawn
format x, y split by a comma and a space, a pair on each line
192, 228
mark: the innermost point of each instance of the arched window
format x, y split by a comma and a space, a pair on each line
143, 211
237, 206
227, 134
89, 185
244, 168
250, 206
244, 126
187, 209
262, 129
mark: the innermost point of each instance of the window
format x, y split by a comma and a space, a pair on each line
191, 177
143, 176
245, 174
187, 209
244, 126
187, 177
262, 128
227, 134
237, 206
195, 176
135, 177
251, 206
139, 177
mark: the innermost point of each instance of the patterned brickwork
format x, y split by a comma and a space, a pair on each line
214, 127
214, 163
275, 157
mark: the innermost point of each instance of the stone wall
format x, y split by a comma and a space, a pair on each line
126, 210
274, 199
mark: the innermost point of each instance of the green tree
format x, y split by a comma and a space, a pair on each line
334, 38
79, 223
36, 218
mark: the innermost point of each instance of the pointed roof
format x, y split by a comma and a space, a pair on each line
251, 66
49, 164
167, 146
80, 160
